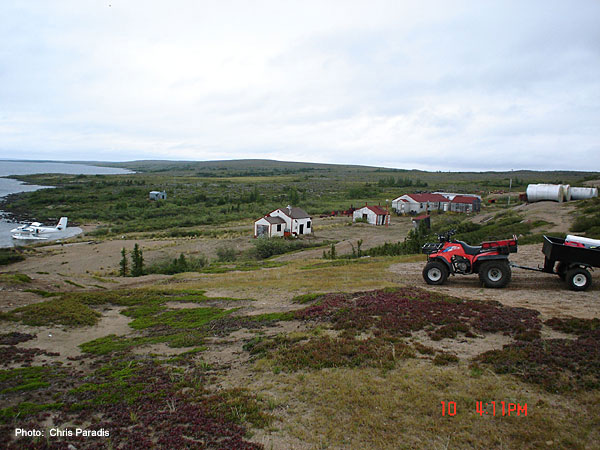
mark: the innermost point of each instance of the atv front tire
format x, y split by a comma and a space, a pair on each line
495, 274
435, 272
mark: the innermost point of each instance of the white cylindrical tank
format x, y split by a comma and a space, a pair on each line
580, 193
566, 192
540, 192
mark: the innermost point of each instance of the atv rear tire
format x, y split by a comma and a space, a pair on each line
435, 272
495, 274
578, 279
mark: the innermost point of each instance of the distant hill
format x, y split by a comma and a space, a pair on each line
267, 167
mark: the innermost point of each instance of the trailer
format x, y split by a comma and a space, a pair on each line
573, 263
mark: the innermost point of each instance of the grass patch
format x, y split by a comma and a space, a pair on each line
558, 365
177, 328
334, 263
63, 311
72, 283
43, 293
102, 279
242, 266
306, 298
326, 352
10, 256
112, 343
24, 379
15, 278
290, 278
179, 319
25, 409
370, 408
587, 220
272, 317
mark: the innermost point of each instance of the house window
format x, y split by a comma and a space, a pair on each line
308, 224
278, 227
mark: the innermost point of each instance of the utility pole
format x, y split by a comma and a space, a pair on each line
387, 221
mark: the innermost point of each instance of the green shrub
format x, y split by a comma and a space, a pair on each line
15, 278
267, 247
226, 254
9, 256
411, 245
63, 311
178, 265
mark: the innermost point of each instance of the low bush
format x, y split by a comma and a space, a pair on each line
556, 364
326, 352
267, 247
9, 256
226, 254
15, 278
178, 265
588, 218
443, 359
400, 312
63, 311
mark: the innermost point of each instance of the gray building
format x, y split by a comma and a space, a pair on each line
158, 195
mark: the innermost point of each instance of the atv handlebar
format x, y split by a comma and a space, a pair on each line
446, 236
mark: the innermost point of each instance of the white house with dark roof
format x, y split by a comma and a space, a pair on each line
289, 221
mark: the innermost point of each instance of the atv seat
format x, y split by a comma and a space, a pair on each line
470, 249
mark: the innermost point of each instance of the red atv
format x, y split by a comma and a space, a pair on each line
489, 260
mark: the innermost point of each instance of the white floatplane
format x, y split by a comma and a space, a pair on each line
36, 231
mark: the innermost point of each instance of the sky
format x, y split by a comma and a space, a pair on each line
435, 85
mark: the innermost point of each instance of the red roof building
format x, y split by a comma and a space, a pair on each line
375, 215
463, 203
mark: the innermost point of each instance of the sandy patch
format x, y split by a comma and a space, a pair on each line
66, 341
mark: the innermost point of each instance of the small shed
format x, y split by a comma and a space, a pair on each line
465, 204
269, 226
425, 219
375, 215
158, 195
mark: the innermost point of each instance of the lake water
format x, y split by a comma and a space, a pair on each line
10, 186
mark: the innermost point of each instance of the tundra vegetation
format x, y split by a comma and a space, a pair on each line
252, 352
372, 354
212, 193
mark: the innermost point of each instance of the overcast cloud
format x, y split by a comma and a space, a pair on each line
484, 85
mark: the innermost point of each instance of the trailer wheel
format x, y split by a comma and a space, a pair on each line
495, 274
579, 279
435, 272
561, 270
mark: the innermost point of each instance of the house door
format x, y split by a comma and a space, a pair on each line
301, 228
262, 230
